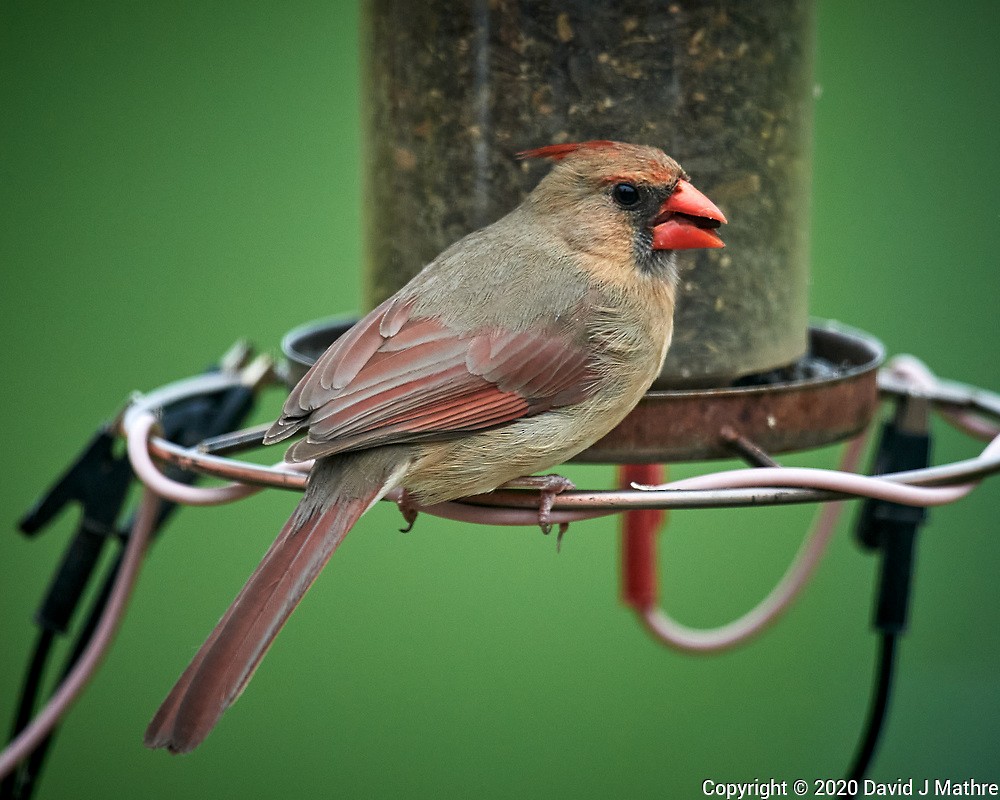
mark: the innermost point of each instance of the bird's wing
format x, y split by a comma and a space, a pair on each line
398, 377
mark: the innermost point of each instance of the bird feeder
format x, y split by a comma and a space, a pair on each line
454, 89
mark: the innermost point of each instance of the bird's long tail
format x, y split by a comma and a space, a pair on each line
340, 490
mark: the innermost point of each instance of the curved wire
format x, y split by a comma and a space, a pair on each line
877, 709
832, 480
137, 433
903, 373
521, 505
664, 627
916, 373
80, 675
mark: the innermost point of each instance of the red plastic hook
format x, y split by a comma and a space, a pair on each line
640, 581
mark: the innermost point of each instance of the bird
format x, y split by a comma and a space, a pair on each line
516, 348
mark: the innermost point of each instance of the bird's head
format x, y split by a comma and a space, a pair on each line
620, 200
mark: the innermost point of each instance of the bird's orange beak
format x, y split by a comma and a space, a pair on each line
687, 221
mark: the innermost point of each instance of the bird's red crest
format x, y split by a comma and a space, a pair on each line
557, 152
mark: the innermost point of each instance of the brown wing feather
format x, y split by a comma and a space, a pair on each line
397, 377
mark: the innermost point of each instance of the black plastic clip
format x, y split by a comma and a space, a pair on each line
891, 528
100, 476
98, 479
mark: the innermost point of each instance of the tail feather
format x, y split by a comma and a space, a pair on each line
340, 490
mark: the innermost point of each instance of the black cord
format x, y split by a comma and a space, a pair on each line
31, 767
877, 709
890, 531
10, 787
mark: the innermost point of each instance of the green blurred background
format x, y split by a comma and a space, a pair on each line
176, 176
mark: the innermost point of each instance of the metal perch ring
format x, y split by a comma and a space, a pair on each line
516, 507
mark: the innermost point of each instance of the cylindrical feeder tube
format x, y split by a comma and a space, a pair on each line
454, 88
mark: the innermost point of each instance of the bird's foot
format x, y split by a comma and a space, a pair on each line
548, 487
409, 509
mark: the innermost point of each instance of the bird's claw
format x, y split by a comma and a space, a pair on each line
563, 527
409, 509
548, 487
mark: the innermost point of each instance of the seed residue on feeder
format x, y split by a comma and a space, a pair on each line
455, 89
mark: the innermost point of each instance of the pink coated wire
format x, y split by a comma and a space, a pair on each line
145, 468
908, 367
137, 437
840, 480
916, 372
832, 480
668, 630
671, 632
74, 683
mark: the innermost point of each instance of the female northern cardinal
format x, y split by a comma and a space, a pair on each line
515, 349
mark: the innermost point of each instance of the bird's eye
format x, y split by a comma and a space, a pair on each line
625, 194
